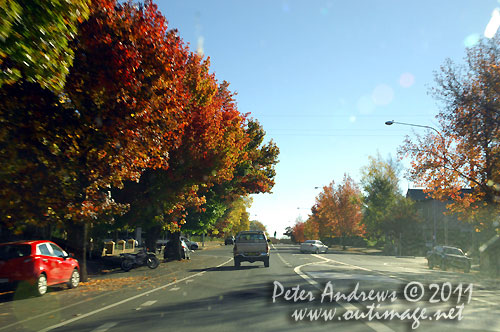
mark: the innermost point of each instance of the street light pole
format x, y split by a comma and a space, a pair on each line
389, 123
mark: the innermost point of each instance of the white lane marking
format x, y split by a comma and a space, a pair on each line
377, 326
360, 268
350, 276
69, 321
188, 281
104, 327
284, 262
392, 276
174, 289
146, 304
342, 263
305, 276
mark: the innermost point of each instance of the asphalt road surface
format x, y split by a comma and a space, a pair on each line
303, 292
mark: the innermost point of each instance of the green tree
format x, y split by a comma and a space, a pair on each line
402, 225
35, 37
256, 225
380, 184
388, 215
236, 218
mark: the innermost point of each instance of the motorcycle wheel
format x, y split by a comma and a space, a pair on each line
152, 262
127, 265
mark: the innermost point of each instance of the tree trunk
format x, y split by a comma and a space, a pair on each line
152, 235
173, 249
176, 246
77, 243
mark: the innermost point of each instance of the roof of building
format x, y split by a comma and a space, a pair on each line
420, 195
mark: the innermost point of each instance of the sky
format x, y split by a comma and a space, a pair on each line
322, 77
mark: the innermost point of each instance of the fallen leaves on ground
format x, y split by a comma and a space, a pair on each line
110, 284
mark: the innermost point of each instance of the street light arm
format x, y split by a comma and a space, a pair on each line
413, 125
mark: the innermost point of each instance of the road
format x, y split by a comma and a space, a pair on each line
209, 294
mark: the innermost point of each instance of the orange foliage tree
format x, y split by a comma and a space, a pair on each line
118, 114
337, 212
465, 152
298, 232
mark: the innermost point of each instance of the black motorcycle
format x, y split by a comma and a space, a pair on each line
141, 258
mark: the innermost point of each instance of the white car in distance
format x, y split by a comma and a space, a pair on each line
313, 246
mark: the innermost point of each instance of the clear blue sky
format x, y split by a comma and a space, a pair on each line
322, 77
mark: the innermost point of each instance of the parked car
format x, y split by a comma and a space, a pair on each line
251, 246
445, 257
192, 245
186, 251
229, 240
313, 246
37, 264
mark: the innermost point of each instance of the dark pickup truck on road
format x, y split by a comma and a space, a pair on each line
445, 257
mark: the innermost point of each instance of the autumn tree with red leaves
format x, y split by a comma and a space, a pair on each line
465, 152
337, 212
298, 232
119, 114
142, 132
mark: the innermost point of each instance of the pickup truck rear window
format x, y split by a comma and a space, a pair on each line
251, 238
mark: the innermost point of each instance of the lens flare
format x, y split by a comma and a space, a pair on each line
493, 24
199, 48
406, 80
472, 40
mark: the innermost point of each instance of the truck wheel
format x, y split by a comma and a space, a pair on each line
266, 262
